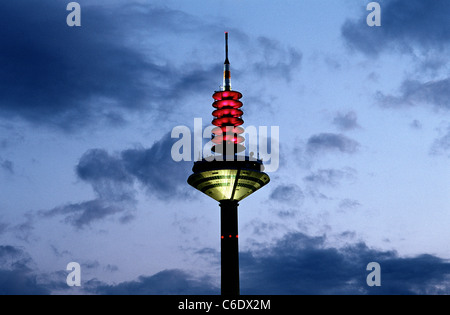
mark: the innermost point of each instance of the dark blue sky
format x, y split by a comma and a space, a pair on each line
86, 173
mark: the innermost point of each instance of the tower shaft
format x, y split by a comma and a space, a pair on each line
229, 247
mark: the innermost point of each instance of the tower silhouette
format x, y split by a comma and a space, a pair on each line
230, 177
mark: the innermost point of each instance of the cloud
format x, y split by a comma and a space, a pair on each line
3, 227
156, 171
55, 72
96, 165
23, 231
112, 185
73, 78
107, 175
287, 199
417, 28
441, 146
287, 194
348, 204
113, 176
167, 282
345, 122
329, 177
328, 142
416, 124
406, 25
274, 59
7, 166
84, 213
16, 276
300, 264
413, 92
293, 264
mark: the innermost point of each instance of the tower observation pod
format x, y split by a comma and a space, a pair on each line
230, 177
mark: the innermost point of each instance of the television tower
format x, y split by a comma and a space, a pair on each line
229, 177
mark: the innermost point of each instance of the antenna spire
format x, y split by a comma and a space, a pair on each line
226, 70
226, 48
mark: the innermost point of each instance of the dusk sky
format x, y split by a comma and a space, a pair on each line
86, 173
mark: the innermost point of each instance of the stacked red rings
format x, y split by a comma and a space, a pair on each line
228, 121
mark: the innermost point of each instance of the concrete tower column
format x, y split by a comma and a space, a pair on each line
229, 247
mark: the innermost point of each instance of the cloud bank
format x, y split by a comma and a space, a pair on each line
420, 29
301, 264
406, 25
295, 264
113, 178
330, 142
73, 78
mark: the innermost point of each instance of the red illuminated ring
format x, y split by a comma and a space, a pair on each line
228, 111
230, 121
227, 129
228, 138
227, 103
234, 95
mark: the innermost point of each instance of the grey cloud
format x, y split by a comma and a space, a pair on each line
107, 175
275, 60
20, 282
59, 253
155, 169
417, 28
326, 142
348, 204
290, 197
97, 165
76, 78
55, 72
20, 276
294, 264
441, 146
84, 213
11, 257
23, 231
7, 166
416, 124
329, 177
406, 24
113, 176
111, 268
16, 274
3, 227
300, 264
90, 264
167, 282
345, 122
112, 185
287, 193
413, 92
